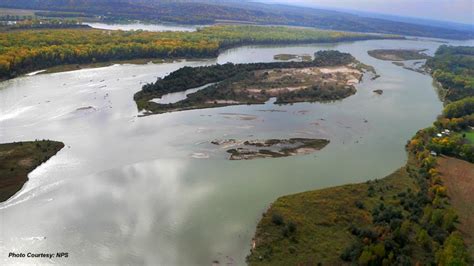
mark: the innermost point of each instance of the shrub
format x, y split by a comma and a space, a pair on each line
453, 252
352, 252
277, 219
291, 227
359, 204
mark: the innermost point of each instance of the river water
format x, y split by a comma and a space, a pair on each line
141, 26
130, 190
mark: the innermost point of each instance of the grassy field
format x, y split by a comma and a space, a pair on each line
469, 136
16, 12
458, 177
18, 159
313, 227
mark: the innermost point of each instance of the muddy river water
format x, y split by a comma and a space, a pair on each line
153, 190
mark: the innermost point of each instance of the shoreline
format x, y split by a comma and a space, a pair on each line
221, 49
18, 159
362, 227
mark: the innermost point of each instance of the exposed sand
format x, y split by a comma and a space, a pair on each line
276, 91
271, 148
339, 69
26, 162
223, 102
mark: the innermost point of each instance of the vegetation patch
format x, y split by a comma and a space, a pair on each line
458, 177
403, 219
18, 159
453, 68
24, 51
41, 24
326, 222
271, 148
330, 76
287, 57
211, 11
397, 54
469, 136
408, 218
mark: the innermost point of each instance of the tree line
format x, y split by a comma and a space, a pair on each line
202, 12
424, 218
29, 50
453, 67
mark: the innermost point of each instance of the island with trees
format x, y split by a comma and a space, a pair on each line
398, 54
20, 158
330, 76
417, 215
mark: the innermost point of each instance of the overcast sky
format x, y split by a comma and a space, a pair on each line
451, 10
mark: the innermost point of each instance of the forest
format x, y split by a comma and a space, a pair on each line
430, 207
192, 77
453, 67
205, 12
34, 23
29, 50
406, 218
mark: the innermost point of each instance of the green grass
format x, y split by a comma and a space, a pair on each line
322, 219
469, 135
16, 12
18, 159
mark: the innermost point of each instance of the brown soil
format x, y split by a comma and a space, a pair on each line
458, 177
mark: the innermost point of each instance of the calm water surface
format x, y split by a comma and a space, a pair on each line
127, 189
141, 26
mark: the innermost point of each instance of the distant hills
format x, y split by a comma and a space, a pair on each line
210, 12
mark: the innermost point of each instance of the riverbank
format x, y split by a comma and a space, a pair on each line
121, 160
21, 53
72, 67
20, 158
311, 228
413, 222
398, 54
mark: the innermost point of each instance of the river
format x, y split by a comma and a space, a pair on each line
130, 190
141, 26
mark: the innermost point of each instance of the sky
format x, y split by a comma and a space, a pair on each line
461, 11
